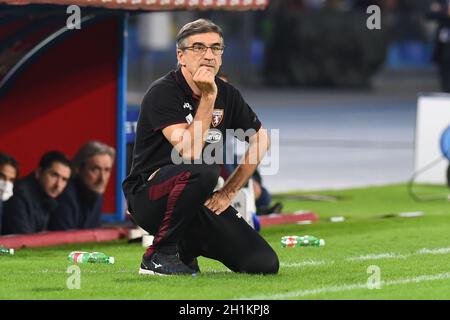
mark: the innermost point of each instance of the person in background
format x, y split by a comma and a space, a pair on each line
9, 171
440, 11
263, 198
448, 175
80, 205
28, 210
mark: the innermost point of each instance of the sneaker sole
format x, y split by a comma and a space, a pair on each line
151, 273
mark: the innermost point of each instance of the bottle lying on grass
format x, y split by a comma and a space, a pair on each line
302, 241
6, 252
89, 257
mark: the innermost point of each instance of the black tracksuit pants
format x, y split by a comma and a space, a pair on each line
171, 207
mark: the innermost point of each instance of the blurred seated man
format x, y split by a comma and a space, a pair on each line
9, 170
440, 11
80, 205
34, 199
448, 175
262, 195
263, 198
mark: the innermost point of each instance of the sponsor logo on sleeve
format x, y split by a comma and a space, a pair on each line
187, 106
189, 118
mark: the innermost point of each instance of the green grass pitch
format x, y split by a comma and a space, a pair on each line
410, 257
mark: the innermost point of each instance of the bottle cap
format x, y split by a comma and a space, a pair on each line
111, 260
337, 219
321, 242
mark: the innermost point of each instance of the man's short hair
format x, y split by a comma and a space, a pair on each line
90, 149
196, 27
7, 159
51, 157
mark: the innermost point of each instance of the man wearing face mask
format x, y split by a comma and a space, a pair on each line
9, 170
80, 205
28, 211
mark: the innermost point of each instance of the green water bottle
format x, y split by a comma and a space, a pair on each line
89, 257
99, 257
302, 241
6, 252
78, 257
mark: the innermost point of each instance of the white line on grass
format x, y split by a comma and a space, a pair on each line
348, 287
378, 256
434, 251
373, 256
305, 263
391, 255
82, 271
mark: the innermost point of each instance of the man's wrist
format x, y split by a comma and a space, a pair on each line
209, 97
230, 194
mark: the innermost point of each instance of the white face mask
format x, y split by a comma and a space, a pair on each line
6, 190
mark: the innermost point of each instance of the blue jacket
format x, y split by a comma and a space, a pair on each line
78, 208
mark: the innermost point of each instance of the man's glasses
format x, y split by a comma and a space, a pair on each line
200, 48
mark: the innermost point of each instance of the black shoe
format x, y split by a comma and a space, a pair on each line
194, 265
276, 208
164, 264
190, 262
